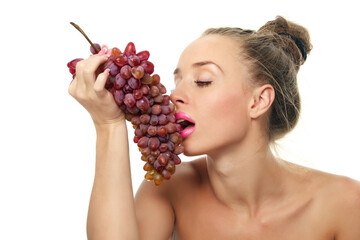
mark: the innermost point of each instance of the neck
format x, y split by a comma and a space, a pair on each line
246, 176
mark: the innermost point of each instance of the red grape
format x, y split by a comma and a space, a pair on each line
130, 49
143, 55
121, 60
140, 95
148, 66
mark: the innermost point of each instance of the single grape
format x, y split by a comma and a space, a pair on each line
92, 50
148, 167
149, 176
151, 159
170, 166
115, 52
176, 159
130, 49
134, 83
178, 149
137, 72
154, 120
138, 132
154, 90
175, 138
129, 100
156, 109
143, 55
153, 143
170, 127
133, 110
121, 60
133, 60
161, 131
145, 151
145, 118
118, 96
163, 148
143, 142
143, 128
127, 89
135, 120
125, 72
136, 139
166, 174
145, 89
163, 139
162, 119
171, 118
119, 82
152, 130
158, 179
146, 79
171, 147
143, 104
148, 66
158, 167
167, 100
159, 98
165, 109
137, 94
72, 64
163, 158
161, 88
155, 153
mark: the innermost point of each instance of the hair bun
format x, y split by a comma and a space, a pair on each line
293, 38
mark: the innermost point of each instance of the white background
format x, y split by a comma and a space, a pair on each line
47, 140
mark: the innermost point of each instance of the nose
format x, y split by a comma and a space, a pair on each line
177, 96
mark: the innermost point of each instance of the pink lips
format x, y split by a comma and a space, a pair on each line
189, 130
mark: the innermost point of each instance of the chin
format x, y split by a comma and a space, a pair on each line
191, 150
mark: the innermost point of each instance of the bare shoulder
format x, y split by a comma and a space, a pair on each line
346, 206
159, 203
186, 177
340, 187
189, 174
344, 191
340, 200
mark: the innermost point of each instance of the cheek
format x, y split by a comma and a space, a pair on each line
222, 120
225, 112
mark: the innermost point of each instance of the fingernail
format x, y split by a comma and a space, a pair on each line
107, 71
102, 52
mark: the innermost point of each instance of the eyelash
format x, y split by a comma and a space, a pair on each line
203, 84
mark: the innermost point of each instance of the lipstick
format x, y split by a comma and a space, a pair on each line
186, 123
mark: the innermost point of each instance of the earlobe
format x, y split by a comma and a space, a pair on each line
262, 100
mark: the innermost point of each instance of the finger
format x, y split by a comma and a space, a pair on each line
72, 87
88, 68
99, 85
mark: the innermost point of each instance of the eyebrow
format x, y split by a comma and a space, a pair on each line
199, 64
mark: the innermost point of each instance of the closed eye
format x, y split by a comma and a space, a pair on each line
203, 83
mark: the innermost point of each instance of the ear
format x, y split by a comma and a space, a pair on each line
261, 100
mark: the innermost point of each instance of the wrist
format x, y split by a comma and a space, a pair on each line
103, 127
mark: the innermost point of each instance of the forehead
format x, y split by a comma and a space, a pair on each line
219, 49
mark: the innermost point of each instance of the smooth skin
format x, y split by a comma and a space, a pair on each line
238, 190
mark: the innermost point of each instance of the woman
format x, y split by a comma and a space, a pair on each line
239, 87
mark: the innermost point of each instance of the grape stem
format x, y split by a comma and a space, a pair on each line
83, 33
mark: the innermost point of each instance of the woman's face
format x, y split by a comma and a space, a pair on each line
211, 87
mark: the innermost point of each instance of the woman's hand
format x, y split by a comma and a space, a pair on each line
88, 88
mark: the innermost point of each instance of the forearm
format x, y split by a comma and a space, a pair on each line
111, 210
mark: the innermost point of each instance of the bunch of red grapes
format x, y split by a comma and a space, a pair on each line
140, 95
